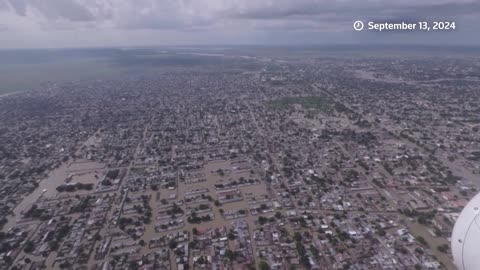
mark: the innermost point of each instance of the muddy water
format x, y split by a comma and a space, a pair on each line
47, 188
258, 190
419, 230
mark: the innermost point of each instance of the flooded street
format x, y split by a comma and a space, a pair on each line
79, 172
419, 230
46, 187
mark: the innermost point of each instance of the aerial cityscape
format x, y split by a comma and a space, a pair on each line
242, 158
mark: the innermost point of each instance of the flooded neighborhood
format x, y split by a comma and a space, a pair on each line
221, 161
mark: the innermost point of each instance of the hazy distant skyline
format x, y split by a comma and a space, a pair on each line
98, 23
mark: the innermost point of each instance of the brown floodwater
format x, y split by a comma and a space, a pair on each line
46, 188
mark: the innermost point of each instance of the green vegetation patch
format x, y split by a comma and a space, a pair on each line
321, 103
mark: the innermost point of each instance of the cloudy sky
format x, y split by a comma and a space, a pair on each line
92, 23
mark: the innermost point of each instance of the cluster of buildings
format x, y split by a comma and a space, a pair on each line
304, 163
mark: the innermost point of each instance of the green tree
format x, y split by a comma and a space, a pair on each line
297, 236
262, 265
230, 255
172, 244
262, 220
29, 247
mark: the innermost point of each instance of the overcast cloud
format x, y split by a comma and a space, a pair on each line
79, 23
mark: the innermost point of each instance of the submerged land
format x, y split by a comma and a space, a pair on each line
240, 158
